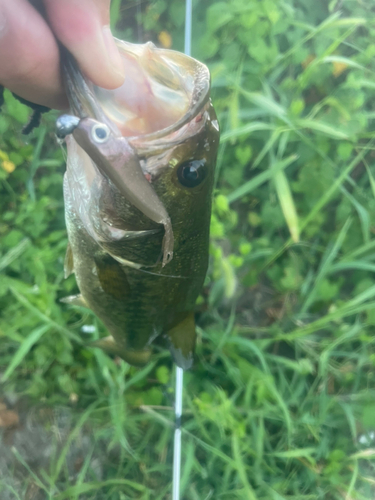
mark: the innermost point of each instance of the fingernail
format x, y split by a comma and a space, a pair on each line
114, 56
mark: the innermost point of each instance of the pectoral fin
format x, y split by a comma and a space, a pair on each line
68, 263
75, 300
109, 345
112, 278
182, 340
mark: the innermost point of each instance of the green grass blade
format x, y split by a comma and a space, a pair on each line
34, 165
323, 128
346, 266
60, 462
22, 461
25, 347
296, 453
324, 199
363, 215
48, 321
260, 179
241, 469
267, 104
245, 130
14, 253
371, 177
325, 266
80, 489
287, 203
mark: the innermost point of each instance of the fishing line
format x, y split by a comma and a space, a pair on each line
177, 434
168, 275
139, 15
179, 371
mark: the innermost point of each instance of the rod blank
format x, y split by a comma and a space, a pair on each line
180, 371
177, 434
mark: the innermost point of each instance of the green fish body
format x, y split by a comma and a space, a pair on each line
137, 192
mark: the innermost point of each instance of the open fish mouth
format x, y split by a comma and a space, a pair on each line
163, 91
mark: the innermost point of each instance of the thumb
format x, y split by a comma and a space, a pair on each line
83, 27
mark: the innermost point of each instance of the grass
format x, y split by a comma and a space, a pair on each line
280, 402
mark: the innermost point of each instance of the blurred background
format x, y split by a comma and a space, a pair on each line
280, 403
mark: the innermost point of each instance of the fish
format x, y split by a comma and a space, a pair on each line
137, 193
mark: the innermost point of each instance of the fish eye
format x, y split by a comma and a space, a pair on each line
100, 132
192, 173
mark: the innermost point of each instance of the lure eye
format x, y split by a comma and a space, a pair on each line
192, 173
100, 132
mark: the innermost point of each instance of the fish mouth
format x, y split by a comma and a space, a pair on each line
163, 90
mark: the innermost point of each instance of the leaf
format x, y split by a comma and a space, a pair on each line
372, 180
208, 46
300, 452
287, 203
97, 485
275, 136
348, 21
321, 127
245, 130
260, 179
326, 197
45, 319
14, 253
229, 278
217, 16
368, 454
24, 348
266, 103
325, 264
241, 468
341, 60
363, 215
345, 266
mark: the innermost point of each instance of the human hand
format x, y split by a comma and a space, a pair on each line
29, 55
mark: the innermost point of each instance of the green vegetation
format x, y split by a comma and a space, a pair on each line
280, 404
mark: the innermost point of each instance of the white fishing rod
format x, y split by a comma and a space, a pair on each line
177, 434
179, 371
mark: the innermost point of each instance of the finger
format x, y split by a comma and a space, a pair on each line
29, 56
83, 27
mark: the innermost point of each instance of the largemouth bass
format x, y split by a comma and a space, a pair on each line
137, 192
